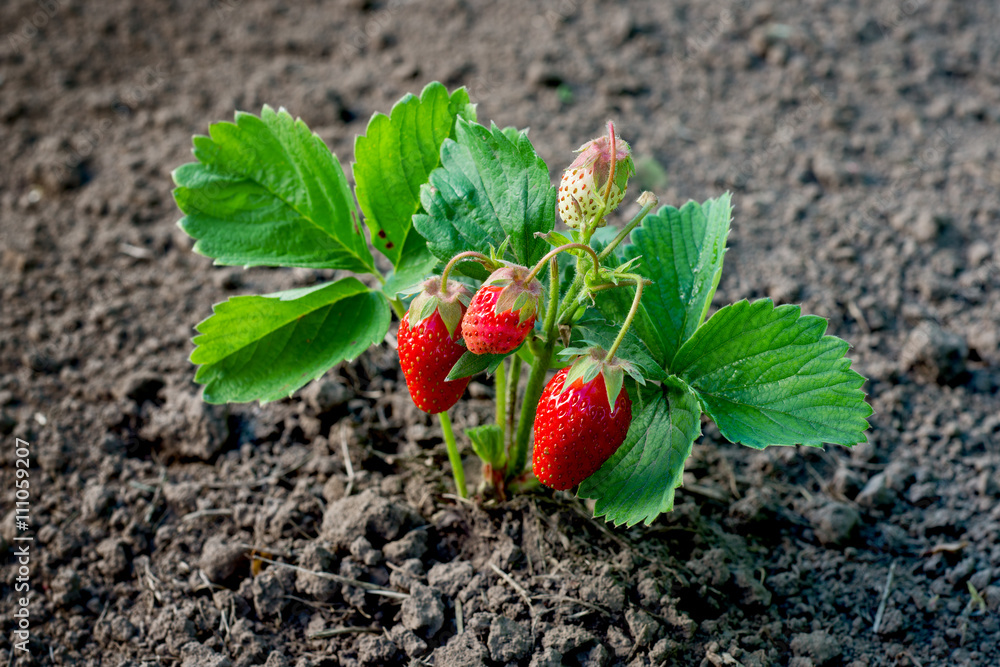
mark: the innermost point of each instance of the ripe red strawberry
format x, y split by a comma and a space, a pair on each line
584, 183
575, 429
502, 312
428, 346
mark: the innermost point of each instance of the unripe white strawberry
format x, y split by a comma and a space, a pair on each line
585, 182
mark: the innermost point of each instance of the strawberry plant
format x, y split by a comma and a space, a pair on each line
482, 282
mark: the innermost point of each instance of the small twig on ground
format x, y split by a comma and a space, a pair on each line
711, 492
565, 598
104, 612
197, 514
264, 550
348, 466
859, 317
333, 632
459, 621
270, 479
885, 598
156, 496
371, 588
520, 591
457, 498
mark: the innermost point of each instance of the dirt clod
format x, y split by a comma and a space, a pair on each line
935, 354
450, 578
460, 651
376, 650
567, 638
508, 640
220, 558
818, 645
835, 523
367, 515
423, 611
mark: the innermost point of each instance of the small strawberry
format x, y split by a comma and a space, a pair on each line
584, 183
428, 345
502, 312
576, 429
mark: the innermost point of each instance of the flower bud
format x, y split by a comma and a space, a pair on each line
585, 182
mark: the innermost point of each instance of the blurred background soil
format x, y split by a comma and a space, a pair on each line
861, 143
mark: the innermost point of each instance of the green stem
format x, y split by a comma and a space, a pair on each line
569, 301
468, 254
511, 398
555, 251
632, 224
536, 379
628, 320
398, 308
501, 394
591, 226
457, 471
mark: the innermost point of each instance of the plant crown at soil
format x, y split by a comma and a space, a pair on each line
432, 183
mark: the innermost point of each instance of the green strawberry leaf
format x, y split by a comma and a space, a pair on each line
266, 191
471, 363
637, 483
416, 264
594, 330
487, 443
266, 347
682, 252
491, 186
394, 158
615, 304
769, 376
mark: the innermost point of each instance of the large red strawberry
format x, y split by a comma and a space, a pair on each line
502, 312
585, 182
428, 346
576, 429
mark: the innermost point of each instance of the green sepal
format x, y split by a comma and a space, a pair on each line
588, 367
447, 303
614, 378
592, 330
487, 443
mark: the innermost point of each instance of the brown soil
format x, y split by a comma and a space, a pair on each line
862, 147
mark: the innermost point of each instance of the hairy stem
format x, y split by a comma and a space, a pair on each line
457, 471
511, 399
536, 379
568, 304
628, 320
398, 308
555, 251
632, 224
591, 226
462, 256
501, 394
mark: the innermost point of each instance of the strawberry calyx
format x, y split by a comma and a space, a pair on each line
520, 291
592, 362
448, 300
